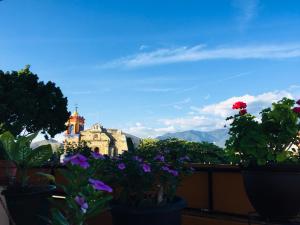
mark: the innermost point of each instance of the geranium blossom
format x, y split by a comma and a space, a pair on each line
243, 112
77, 159
297, 109
121, 166
146, 168
82, 203
239, 105
99, 185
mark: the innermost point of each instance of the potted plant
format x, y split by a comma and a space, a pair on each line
84, 195
267, 149
145, 184
8, 169
26, 203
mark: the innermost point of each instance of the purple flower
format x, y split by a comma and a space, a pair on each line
146, 167
137, 158
97, 155
82, 203
121, 166
173, 172
99, 185
77, 159
184, 158
159, 158
165, 168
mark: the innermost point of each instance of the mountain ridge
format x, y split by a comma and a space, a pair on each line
217, 137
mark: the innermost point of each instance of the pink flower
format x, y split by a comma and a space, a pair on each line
146, 168
77, 159
243, 112
296, 110
121, 166
239, 105
99, 185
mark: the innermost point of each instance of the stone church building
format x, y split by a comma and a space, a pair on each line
103, 140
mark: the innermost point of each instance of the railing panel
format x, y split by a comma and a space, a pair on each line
194, 189
229, 194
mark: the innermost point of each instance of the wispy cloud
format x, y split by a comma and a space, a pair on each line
211, 116
201, 52
247, 11
156, 89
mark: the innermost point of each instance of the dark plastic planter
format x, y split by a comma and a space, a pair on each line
30, 206
169, 214
274, 191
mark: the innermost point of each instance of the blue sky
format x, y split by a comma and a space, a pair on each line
150, 67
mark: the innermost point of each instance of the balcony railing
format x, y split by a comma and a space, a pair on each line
215, 195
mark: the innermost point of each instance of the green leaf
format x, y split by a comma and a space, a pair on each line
58, 218
40, 155
50, 177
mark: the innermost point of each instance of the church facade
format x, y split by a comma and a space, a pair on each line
105, 141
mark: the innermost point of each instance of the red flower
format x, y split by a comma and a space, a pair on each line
243, 112
239, 105
296, 110
298, 102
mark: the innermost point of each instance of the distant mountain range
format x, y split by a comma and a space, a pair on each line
54, 144
218, 137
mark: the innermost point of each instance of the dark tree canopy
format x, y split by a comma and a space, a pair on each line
31, 105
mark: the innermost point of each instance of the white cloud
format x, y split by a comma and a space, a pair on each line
201, 52
210, 117
247, 10
143, 131
255, 103
143, 47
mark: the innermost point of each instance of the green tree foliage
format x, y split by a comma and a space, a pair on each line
29, 104
198, 152
273, 139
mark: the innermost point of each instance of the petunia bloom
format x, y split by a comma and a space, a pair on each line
159, 158
97, 155
99, 185
137, 158
173, 172
82, 203
146, 168
184, 158
77, 159
121, 166
239, 105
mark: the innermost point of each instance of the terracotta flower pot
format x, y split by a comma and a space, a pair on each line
8, 170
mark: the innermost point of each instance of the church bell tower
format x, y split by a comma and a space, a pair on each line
74, 125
